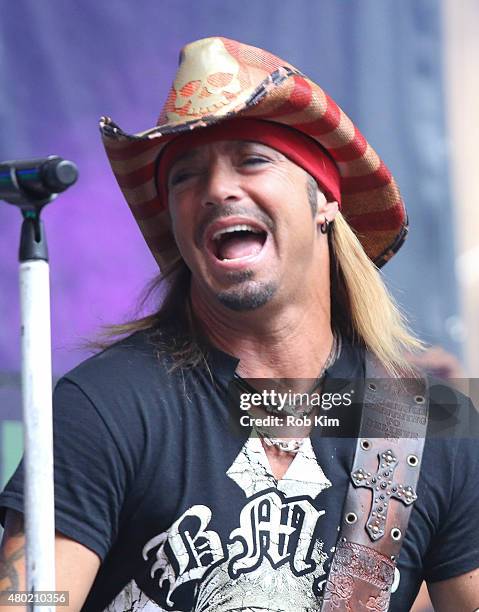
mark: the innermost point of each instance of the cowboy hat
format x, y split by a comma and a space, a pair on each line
220, 79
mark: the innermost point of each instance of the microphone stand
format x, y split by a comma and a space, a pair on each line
37, 406
39, 508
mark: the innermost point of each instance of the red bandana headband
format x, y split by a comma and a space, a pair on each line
296, 146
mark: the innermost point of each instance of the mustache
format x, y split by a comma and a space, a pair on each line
222, 211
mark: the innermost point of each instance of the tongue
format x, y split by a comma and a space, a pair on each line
234, 247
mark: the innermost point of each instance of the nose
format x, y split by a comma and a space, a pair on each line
222, 184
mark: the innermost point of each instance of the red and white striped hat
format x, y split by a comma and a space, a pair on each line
219, 80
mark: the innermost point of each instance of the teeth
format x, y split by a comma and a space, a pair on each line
236, 228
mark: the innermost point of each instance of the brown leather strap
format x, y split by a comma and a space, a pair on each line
382, 490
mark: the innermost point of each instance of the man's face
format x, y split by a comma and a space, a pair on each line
243, 223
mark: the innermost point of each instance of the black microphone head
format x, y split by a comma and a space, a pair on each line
32, 183
59, 174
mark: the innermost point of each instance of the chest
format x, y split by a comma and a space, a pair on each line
222, 514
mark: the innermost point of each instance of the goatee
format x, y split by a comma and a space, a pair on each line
250, 297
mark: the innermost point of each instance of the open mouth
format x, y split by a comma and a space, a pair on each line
238, 241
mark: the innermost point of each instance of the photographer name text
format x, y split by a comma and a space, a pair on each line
320, 420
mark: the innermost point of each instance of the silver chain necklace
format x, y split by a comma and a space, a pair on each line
294, 444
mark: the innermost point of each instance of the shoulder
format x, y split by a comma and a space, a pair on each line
449, 479
452, 412
123, 392
130, 360
123, 385
451, 454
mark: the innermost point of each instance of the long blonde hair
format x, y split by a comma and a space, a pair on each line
367, 311
362, 310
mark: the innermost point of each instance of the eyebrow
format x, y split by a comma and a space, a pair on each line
185, 156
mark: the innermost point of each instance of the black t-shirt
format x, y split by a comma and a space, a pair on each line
183, 510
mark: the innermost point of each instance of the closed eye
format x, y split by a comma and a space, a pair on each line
254, 160
179, 177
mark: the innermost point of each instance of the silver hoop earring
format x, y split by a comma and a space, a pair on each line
324, 227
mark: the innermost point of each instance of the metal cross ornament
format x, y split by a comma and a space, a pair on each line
384, 488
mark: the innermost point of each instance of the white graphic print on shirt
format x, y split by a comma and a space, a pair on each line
271, 561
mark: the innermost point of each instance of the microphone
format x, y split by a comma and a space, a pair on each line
35, 181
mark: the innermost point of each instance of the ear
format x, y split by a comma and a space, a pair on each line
325, 210
331, 210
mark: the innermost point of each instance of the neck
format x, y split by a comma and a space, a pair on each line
289, 342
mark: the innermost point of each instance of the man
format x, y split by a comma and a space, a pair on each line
265, 208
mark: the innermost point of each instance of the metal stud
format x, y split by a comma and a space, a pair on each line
412, 460
365, 445
372, 387
396, 534
419, 399
351, 518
